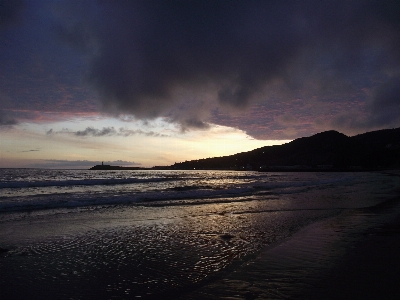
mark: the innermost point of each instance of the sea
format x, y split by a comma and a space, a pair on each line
157, 234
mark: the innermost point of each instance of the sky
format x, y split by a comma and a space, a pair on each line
146, 82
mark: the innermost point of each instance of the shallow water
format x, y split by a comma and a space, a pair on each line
151, 248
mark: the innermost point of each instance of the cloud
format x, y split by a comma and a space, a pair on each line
382, 110
148, 58
287, 119
32, 150
96, 132
129, 132
385, 106
6, 120
106, 131
10, 12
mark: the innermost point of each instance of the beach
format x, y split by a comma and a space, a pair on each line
292, 236
350, 256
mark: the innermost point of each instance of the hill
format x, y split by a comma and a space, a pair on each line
329, 150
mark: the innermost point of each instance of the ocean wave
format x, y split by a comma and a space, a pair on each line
84, 199
28, 190
190, 193
81, 182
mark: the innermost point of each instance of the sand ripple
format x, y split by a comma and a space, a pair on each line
145, 260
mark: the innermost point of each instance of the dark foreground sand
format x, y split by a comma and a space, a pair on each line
370, 271
355, 255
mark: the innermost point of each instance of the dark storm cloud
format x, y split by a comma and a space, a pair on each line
10, 12
385, 107
147, 56
382, 110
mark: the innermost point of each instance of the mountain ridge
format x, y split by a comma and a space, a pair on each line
328, 150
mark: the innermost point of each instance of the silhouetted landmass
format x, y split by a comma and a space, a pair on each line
109, 167
328, 151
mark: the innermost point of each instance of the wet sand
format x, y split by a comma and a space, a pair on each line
371, 269
354, 255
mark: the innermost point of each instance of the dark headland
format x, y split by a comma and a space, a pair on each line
325, 151
329, 150
109, 167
